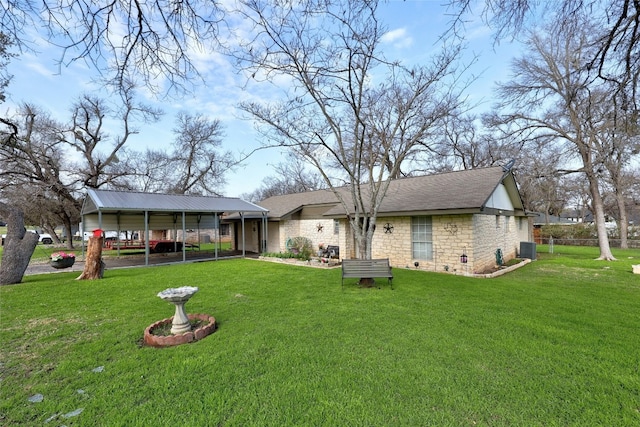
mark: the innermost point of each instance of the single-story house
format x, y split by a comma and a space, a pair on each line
426, 222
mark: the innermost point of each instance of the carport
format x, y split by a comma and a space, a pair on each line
118, 211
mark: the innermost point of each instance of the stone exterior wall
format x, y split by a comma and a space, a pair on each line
291, 229
494, 232
395, 244
452, 235
274, 237
346, 242
307, 228
477, 236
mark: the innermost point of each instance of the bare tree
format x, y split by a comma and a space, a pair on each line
104, 156
290, 177
467, 143
125, 39
198, 164
615, 35
150, 171
543, 184
619, 144
5, 57
40, 172
553, 95
32, 173
329, 54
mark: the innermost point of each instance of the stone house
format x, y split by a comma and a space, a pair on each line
426, 222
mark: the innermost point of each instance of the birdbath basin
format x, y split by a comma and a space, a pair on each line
179, 297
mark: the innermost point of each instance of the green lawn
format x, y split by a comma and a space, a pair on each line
555, 343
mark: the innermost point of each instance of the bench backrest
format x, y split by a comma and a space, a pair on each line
366, 265
381, 261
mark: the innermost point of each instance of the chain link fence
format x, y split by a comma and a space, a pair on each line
614, 243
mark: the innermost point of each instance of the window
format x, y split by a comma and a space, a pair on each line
497, 222
422, 238
336, 226
225, 230
507, 221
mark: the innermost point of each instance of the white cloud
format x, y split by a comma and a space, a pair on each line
398, 38
40, 69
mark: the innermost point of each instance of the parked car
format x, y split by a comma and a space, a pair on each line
44, 238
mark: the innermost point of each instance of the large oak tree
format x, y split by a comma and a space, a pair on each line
347, 110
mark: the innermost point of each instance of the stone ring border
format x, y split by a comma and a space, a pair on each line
187, 337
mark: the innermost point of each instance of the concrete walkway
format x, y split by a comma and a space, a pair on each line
136, 261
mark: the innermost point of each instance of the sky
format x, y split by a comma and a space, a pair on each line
413, 29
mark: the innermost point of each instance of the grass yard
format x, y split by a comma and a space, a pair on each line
555, 343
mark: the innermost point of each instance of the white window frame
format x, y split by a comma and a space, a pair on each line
422, 238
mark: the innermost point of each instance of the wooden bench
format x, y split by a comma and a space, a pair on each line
366, 269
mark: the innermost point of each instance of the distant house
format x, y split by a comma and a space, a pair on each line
428, 221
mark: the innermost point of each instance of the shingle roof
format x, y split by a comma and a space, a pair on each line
460, 190
106, 200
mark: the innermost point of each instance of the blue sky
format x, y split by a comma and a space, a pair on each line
413, 29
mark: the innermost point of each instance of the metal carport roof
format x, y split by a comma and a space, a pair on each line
124, 210
114, 201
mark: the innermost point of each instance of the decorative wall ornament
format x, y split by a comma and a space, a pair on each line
320, 227
388, 228
451, 228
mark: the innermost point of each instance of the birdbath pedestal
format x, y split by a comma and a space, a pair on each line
179, 297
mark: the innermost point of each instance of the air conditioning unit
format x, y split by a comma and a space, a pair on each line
528, 250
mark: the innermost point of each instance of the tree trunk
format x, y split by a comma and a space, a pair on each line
68, 233
623, 220
598, 211
18, 246
93, 264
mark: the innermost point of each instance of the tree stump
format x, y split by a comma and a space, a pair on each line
93, 264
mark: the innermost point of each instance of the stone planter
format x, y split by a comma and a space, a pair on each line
63, 263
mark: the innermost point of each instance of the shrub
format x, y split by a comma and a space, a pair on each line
571, 231
301, 246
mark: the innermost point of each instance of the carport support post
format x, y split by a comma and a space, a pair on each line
118, 237
265, 233
243, 241
184, 238
216, 238
146, 237
198, 218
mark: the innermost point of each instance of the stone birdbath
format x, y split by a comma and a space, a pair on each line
179, 297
